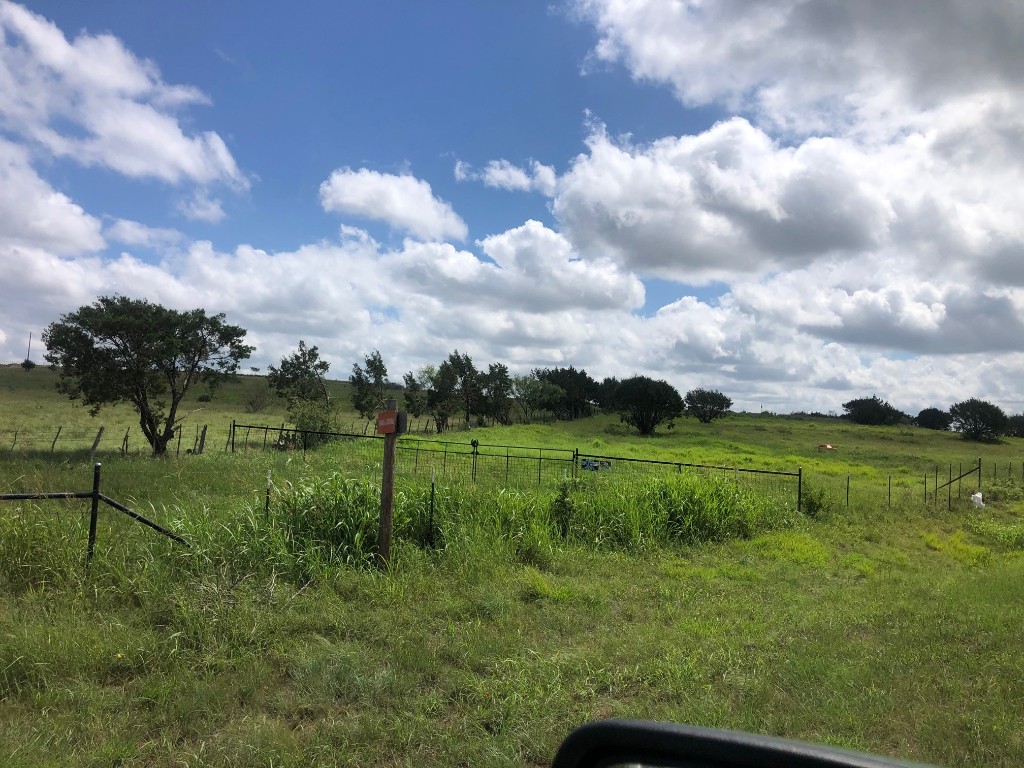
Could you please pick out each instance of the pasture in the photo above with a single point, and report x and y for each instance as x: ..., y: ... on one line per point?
x: 890, y: 627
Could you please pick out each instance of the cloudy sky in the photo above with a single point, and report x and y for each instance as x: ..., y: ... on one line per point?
x: 796, y: 202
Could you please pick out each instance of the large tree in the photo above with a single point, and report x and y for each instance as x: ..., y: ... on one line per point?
x: 978, y: 420
x: 121, y: 350
x: 872, y: 411
x: 579, y: 392
x: 645, y: 403
x: 706, y: 404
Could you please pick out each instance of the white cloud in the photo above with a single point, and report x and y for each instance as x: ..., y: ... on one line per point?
x: 201, y: 207
x: 502, y: 174
x: 93, y: 101
x: 402, y: 201
x: 135, y: 233
x: 33, y: 214
x: 811, y: 66
x: 727, y: 201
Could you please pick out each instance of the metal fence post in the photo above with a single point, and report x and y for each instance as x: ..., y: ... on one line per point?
x: 799, y: 488
x: 94, y: 514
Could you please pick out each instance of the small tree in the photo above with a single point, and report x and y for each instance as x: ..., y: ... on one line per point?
x: 934, y: 418
x: 301, y: 376
x: 121, y: 350
x: 645, y: 403
x: 706, y: 405
x: 978, y: 420
x: 28, y: 364
x: 497, y: 393
x: 300, y: 380
x: 415, y: 395
x: 369, y: 385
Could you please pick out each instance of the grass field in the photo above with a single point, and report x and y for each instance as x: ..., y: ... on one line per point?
x: 891, y: 629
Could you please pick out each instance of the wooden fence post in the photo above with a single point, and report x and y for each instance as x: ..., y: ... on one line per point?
x: 202, y: 440
x: 96, y: 443
x: 54, y: 443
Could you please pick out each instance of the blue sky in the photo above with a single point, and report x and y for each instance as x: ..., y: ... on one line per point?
x: 795, y: 202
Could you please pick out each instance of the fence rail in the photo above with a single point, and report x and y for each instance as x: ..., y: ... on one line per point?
x: 96, y: 496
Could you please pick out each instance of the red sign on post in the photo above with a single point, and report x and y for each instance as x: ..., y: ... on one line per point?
x: 387, y: 422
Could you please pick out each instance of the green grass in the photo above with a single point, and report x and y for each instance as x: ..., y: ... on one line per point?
x: 519, y: 615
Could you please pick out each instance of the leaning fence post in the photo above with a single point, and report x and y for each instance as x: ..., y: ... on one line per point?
x: 94, y: 513
x: 96, y: 442
x: 54, y: 443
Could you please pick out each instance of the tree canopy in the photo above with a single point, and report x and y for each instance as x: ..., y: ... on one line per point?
x: 645, y: 403
x: 121, y: 350
x: 706, y: 405
x: 934, y: 418
x: 369, y: 385
x: 300, y: 375
x: 872, y: 411
x: 978, y: 420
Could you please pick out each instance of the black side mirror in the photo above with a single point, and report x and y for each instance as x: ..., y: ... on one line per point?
x: 632, y: 743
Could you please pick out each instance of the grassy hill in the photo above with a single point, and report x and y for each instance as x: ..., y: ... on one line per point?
x: 892, y: 629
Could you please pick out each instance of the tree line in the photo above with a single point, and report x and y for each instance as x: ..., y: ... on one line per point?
x: 121, y: 350
x: 974, y: 419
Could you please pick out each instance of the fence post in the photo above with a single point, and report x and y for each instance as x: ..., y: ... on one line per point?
x: 476, y: 450
x: 54, y: 443
x: 799, y: 488
x: 387, y: 492
x: 96, y: 442
x: 433, y: 480
x: 266, y: 504
x: 202, y: 440
x: 890, y: 491
x: 232, y: 435
x: 847, y: 489
x: 94, y: 513
x: 979, y: 473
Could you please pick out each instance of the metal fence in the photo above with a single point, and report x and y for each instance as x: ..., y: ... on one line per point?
x: 510, y: 466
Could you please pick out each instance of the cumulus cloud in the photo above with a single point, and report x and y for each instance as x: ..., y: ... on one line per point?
x: 93, y: 101
x: 726, y: 201
x: 502, y: 174
x: 852, y: 138
x: 810, y: 66
x: 202, y: 207
x: 33, y: 214
x: 135, y: 233
x: 401, y: 201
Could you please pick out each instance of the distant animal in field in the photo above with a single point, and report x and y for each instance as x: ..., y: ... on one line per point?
x: 594, y: 465
x: 976, y: 499
x: 826, y: 447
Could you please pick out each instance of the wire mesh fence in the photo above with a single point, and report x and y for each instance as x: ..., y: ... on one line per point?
x: 507, y: 466
x: 97, y: 440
